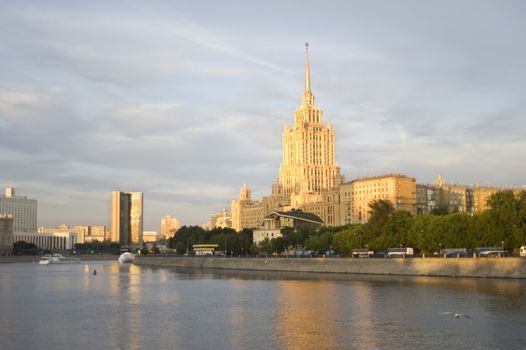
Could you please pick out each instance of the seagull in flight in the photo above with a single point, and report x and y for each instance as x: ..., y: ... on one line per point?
x: 456, y: 315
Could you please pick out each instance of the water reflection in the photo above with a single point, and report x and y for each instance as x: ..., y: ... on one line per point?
x: 129, y: 307
x: 304, y: 308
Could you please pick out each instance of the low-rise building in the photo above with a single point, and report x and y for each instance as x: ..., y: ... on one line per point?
x: 150, y: 236
x: 48, y: 241
x: 85, y: 233
x: 270, y: 227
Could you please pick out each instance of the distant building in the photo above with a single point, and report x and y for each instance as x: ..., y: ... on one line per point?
x: 6, y: 234
x: 127, y: 218
x: 23, y: 210
x: 356, y: 195
x: 271, y: 226
x: 150, y: 236
x: 169, y: 226
x: 85, y: 233
x: 49, y: 241
x: 220, y: 220
x: 453, y: 197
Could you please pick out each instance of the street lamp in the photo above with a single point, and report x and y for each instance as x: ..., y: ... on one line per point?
x: 439, y: 249
x: 187, y: 251
x: 502, y: 245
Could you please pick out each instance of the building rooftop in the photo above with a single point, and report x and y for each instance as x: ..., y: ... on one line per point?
x: 298, y: 215
x: 376, y: 177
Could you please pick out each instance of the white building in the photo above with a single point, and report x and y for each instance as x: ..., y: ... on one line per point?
x: 50, y: 241
x: 23, y: 210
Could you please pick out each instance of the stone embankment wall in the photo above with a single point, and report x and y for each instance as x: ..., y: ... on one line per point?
x: 459, y: 267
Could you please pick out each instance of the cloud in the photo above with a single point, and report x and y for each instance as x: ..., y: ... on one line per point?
x: 186, y: 104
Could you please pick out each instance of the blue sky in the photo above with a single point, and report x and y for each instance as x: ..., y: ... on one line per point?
x: 185, y: 101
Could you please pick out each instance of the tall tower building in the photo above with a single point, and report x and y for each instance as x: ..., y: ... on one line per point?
x: 127, y: 218
x: 309, y: 165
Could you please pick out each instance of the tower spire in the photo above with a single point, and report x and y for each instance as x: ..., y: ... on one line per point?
x: 308, y: 99
x: 307, y: 69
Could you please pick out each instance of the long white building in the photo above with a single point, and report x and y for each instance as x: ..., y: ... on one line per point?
x: 51, y: 241
x: 22, y: 209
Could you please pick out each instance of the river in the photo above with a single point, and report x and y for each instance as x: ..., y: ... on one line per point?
x: 132, y: 307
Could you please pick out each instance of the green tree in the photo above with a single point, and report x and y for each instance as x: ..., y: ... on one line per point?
x: 379, y: 211
x: 180, y: 248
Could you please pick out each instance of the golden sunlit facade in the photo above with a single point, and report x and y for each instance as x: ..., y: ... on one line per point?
x: 309, y: 165
x: 356, y: 195
x: 308, y: 169
x: 127, y: 218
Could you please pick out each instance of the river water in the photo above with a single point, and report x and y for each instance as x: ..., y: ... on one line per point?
x: 131, y: 307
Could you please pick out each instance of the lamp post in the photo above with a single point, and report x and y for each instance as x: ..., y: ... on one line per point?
x: 502, y: 245
x: 187, y: 250
x: 440, y: 249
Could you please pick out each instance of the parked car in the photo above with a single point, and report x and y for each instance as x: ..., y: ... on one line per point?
x: 379, y: 254
x: 522, y: 251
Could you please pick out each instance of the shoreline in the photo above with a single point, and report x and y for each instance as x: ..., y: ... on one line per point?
x: 508, y: 268
x: 36, y: 258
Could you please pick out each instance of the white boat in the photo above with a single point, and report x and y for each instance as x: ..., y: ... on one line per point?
x: 58, y: 259
x: 126, y: 258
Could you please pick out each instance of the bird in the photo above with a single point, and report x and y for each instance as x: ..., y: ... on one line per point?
x: 456, y: 315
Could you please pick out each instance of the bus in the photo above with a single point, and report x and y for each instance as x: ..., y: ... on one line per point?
x: 486, y: 252
x: 400, y: 252
x: 204, y: 249
x: 361, y: 253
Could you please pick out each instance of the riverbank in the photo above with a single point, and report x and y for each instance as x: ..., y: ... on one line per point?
x: 36, y: 258
x: 440, y: 267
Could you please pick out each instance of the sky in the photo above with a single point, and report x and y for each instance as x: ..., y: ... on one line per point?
x: 187, y: 100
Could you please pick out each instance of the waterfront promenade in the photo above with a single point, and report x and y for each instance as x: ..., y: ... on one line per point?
x: 456, y: 267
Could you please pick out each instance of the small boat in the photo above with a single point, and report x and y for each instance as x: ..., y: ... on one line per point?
x: 126, y: 257
x: 58, y: 259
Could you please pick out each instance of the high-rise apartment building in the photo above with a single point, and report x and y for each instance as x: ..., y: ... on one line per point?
x: 127, y: 218
x: 169, y: 226
x: 23, y: 210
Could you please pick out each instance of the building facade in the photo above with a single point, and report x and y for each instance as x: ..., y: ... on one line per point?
x: 308, y: 169
x: 49, y: 241
x: 270, y: 227
x: 85, y: 233
x: 356, y: 195
x: 6, y: 234
x: 169, y: 226
x: 23, y: 210
x: 309, y: 165
x: 127, y: 218
x: 453, y: 198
